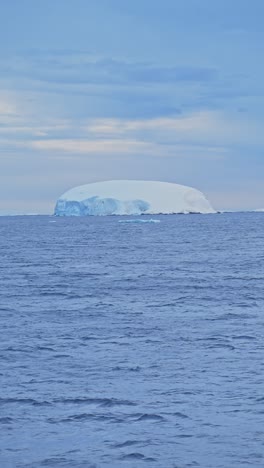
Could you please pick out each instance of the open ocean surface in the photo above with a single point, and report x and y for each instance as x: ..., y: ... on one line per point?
x: 132, y: 345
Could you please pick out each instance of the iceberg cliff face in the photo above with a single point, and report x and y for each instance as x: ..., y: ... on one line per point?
x: 131, y: 197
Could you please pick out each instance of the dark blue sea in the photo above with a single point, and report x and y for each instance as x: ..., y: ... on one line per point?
x: 131, y: 345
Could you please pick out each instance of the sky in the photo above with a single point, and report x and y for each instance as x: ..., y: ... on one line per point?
x: 94, y: 90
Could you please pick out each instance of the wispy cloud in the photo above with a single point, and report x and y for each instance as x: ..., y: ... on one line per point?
x: 9, y: 113
x: 7, y: 107
x: 105, y: 86
x: 205, y: 127
x: 85, y: 68
x: 94, y: 146
x: 210, y: 131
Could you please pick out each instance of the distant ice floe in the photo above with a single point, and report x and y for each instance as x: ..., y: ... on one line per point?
x: 139, y: 220
x: 131, y: 197
x: 14, y: 213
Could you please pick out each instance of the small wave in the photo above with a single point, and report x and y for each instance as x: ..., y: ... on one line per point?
x: 137, y: 456
x: 89, y: 338
x: 55, y: 462
x: 61, y: 462
x: 221, y: 346
x: 134, y: 369
x: 102, y: 402
x: 6, y: 420
x: 81, y: 417
x: 180, y: 415
x: 24, y: 401
x: 44, y: 348
x: 228, y: 316
x: 150, y: 417
x: 61, y: 356
x: 109, y: 403
x: 244, y: 337
x: 127, y: 443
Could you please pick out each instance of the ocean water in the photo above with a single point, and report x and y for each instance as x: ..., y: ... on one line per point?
x: 132, y: 344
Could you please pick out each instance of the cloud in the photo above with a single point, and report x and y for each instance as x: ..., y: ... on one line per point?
x: 7, y: 107
x: 205, y: 127
x: 94, y: 146
x: 209, y: 131
x: 105, y: 86
x: 85, y: 68
x: 20, y: 118
x: 27, y: 129
x: 9, y: 113
x: 188, y: 123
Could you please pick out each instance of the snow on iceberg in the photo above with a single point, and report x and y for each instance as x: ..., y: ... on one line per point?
x: 131, y: 197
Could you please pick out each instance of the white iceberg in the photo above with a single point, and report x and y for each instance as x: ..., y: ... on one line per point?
x: 131, y: 197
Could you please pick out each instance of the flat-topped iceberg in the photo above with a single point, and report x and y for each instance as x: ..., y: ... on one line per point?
x: 131, y: 197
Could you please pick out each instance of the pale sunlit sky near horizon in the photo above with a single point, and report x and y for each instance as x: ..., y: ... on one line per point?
x: 93, y: 90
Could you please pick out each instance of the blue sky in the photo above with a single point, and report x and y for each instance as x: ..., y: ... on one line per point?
x: 167, y: 90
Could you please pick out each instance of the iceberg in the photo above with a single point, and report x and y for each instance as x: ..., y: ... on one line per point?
x: 131, y: 197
